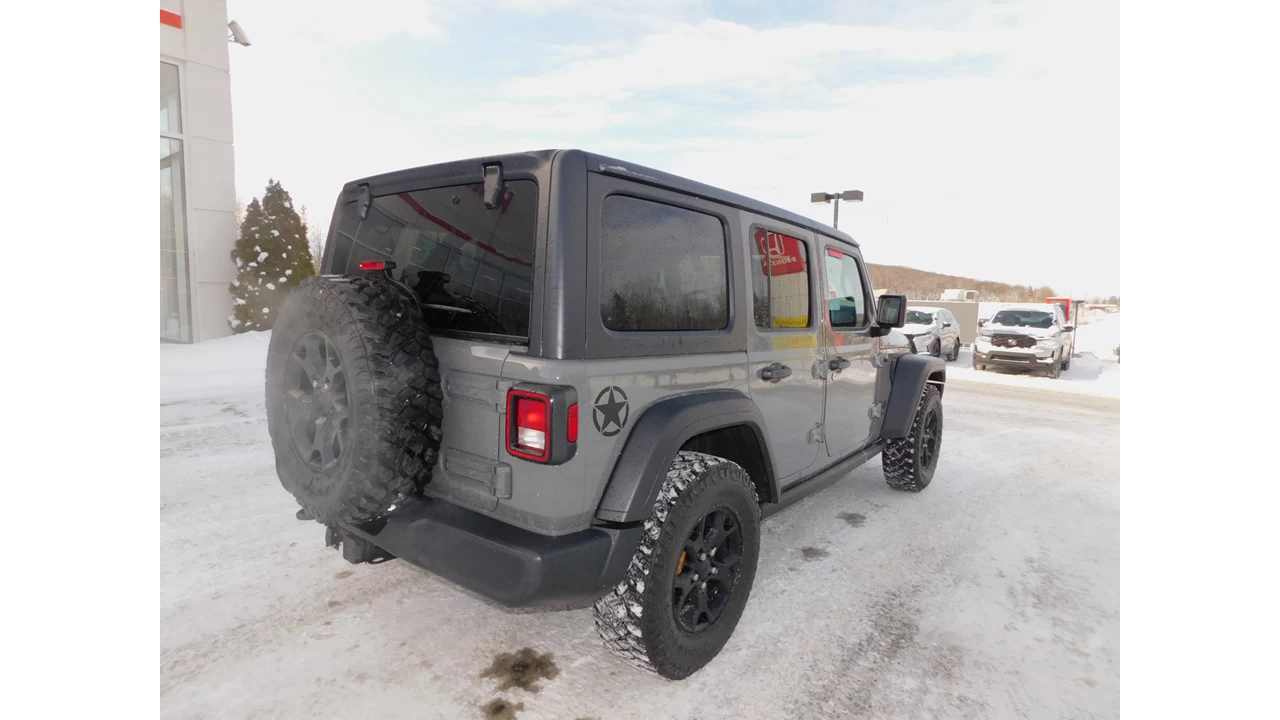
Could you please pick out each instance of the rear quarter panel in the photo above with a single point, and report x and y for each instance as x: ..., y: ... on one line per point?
x: 563, y: 498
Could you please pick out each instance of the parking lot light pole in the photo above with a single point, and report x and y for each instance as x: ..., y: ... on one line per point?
x: 822, y: 197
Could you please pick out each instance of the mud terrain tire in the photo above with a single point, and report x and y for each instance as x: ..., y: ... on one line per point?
x: 354, y: 352
x: 637, y: 619
x: 909, y: 462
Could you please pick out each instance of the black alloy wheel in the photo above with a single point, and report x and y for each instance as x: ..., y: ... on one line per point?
x: 316, y: 401
x: 707, y: 570
x: 930, y: 436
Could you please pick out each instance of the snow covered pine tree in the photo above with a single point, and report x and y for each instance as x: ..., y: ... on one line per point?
x: 271, y: 258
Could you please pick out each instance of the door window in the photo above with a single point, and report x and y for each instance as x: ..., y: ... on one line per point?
x: 846, y: 296
x: 779, y: 280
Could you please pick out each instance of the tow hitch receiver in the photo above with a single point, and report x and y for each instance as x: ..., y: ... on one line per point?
x: 355, y: 550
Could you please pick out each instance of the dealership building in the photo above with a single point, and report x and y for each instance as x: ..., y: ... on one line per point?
x: 197, y: 171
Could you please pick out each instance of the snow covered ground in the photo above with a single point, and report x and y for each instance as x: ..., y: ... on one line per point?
x: 992, y: 594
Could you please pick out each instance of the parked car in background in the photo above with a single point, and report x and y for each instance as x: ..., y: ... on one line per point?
x: 1035, y: 337
x: 933, y: 331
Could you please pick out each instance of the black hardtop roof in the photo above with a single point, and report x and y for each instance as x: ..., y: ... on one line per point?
x: 619, y: 168
x: 610, y: 166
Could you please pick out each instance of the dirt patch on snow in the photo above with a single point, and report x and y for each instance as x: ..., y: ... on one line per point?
x: 499, y: 709
x: 854, y: 519
x: 522, y: 669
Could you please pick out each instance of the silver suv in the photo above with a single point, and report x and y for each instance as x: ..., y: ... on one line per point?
x: 933, y: 330
x: 559, y: 379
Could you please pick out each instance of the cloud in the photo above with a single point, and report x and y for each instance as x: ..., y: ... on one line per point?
x: 716, y: 52
x: 977, y: 168
x: 330, y: 24
x: 985, y: 171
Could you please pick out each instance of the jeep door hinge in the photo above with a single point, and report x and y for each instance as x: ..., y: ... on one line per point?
x: 817, y: 434
x: 876, y: 411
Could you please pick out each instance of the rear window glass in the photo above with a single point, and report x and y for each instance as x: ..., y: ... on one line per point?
x: 473, y: 266
x: 661, y: 267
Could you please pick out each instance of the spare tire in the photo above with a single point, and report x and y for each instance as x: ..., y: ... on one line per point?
x: 354, y: 405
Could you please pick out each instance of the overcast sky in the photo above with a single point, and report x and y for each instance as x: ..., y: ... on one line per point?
x: 984, y: 134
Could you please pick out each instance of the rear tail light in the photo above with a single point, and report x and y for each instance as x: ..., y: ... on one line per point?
x: 529, y: 417
x: 542, y: 423
x: 377, y: 265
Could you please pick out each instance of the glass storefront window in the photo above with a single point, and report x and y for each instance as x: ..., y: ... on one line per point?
x: 175, y: 290
x: 170, y: 104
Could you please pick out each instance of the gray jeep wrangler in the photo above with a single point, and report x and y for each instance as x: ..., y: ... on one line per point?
x: 558, y: 379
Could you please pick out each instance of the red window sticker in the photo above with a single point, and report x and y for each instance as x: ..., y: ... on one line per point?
x: 779, y: 254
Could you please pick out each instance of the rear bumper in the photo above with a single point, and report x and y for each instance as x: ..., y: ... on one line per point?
x: 510, y: 565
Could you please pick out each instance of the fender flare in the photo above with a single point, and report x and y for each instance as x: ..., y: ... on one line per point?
x: 659, y: 434
x: 910, y: 374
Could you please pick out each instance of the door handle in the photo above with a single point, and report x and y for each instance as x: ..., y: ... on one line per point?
x: 838, y: 363
x: 775, y: 372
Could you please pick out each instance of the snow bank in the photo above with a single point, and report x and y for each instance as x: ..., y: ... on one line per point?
x: 1088, y: 375
x: 231, y: 365
x: 1100, y: 337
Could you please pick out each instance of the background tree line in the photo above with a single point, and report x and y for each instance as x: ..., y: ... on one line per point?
x: 925, y: 285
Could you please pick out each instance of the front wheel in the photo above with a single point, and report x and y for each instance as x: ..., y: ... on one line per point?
x: 909, y: 462
x: 1055, y: 370
x: 690, y: 578
x: 936, y: 348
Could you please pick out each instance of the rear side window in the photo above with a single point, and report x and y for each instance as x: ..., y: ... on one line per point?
x: 661, y: 267
x: 473, y: 265
x: 779, y: 280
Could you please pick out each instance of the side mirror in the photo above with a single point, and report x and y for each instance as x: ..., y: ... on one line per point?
x: 891, y: 311
x: 1068, y: 328
x: 982, y: 322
